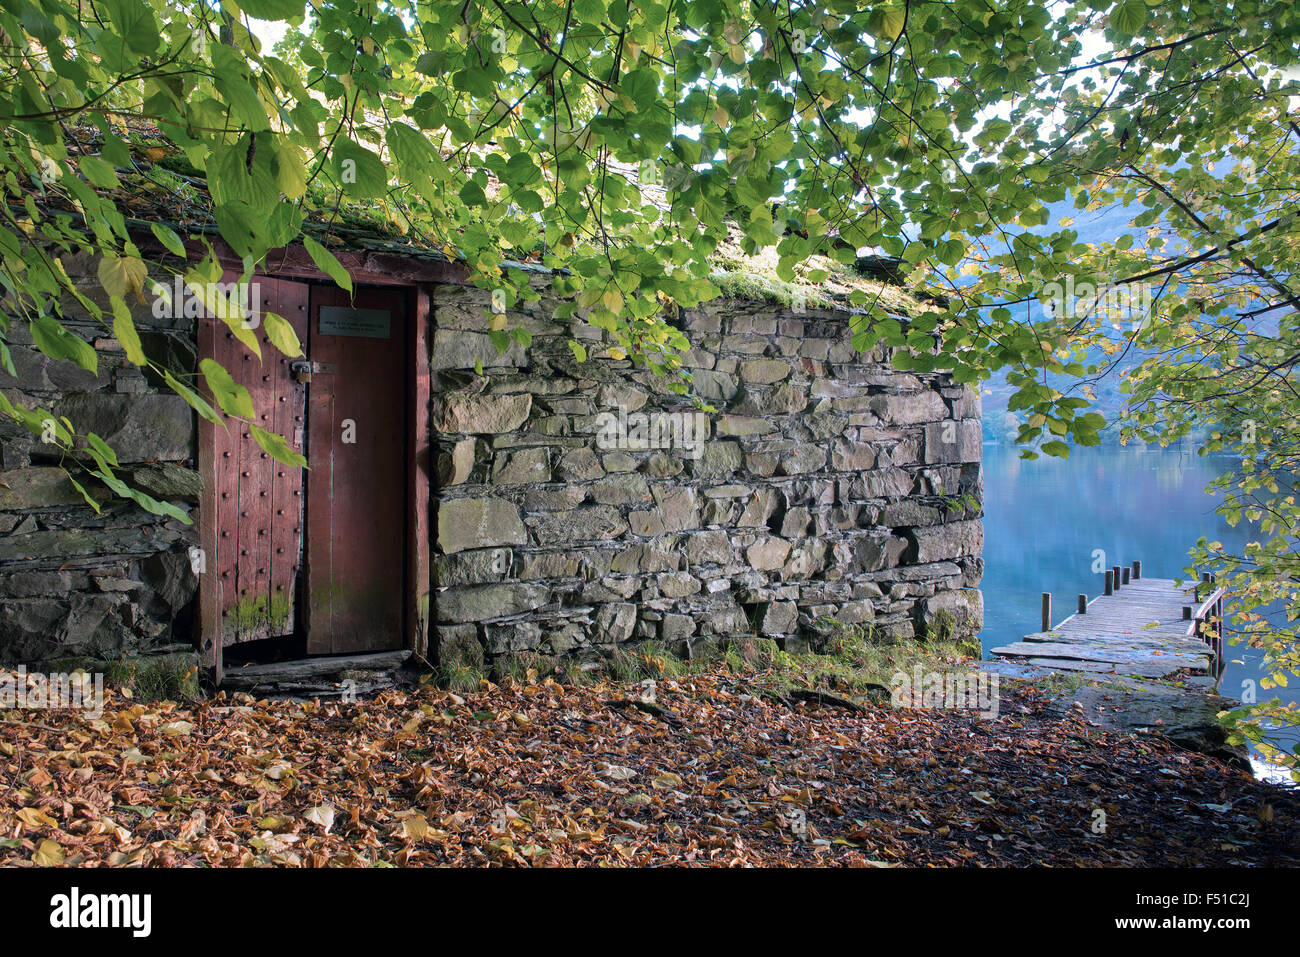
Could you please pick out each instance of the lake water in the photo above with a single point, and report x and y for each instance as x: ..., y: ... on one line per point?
x: 1044, y: 519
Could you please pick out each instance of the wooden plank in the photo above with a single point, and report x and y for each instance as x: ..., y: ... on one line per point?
x: 1098, y: 652
x: 1100, y: 668
x: 420, y: 474
x: 1167, y: 642
x: 255, y: 473
x: 315, y: 667
x: 357, y: 485
x: 288, y: 300
x: 372, y: 267
x: 211, y: 644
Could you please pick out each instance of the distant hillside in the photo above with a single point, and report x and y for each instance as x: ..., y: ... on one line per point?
x: 1104, y: 225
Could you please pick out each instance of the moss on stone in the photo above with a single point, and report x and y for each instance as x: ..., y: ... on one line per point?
x: 741, y: 276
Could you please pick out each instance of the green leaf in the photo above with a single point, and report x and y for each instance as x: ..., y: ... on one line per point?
x: 230, y: 395
x: 886, y: 22
x: 360, y: 170
x: 275, y: 445
x: 273, y: 9
x: 57, y: 343
x: 120, y: 275
x: 102, y: 449
x: 134, y: 22
x: 225, y: 302
x: 281, y: 334
x: 84, y: 494
x: 1129, y: 17
x: 97, y: 172
x: 325, y: 260
x: 192, y: 398
x: 167, y: 236
x: 125, y: 333
x: 471, y: 193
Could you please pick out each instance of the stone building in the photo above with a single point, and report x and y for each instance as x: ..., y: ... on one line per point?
x: 468, y: 504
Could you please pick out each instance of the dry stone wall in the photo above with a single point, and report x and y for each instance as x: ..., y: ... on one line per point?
x: 580, y: 506
x: 75, y: 582
x: 586, y: 505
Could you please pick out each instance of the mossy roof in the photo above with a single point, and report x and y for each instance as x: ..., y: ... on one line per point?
x: 165, y: 188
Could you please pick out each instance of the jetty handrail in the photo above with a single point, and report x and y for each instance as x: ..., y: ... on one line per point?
x: 1207, y: 621
x: 1201, y: 613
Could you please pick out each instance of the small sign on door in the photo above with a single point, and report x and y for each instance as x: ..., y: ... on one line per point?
x: 366, y: 323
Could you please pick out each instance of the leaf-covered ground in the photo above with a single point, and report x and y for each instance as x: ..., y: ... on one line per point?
x: 541, y: 774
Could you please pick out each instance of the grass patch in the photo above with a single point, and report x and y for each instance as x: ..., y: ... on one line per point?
x: 819, y: 282
x: 854, y: 661
x: 649, y: 659
x: 458, y: 677
x: 1063, y: 682
x: 160, y: 678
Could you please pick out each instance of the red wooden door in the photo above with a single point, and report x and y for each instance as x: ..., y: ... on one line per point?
x: 255, y: 538
x: 356, y: 483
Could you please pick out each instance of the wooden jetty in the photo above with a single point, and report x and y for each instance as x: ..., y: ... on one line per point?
x: 1151, y: 652
x: 1142, y: 627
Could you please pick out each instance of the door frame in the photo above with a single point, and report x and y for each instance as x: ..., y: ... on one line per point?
x: 416, y: 277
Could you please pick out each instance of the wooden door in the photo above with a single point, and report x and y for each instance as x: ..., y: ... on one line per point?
x: 254, y: 536
x: 356, y: 483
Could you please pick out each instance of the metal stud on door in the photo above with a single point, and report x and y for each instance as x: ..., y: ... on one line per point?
x: 255, y: 535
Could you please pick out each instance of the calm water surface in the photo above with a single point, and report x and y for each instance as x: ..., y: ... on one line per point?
x: 1044, y: 519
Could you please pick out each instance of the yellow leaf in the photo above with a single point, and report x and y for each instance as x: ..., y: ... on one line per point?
x: 48, y: 854
x: 415, y: 827
x: 122, y: 274
x: 225, y: 301
x: 34, y: 817
x: 290, y: 175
